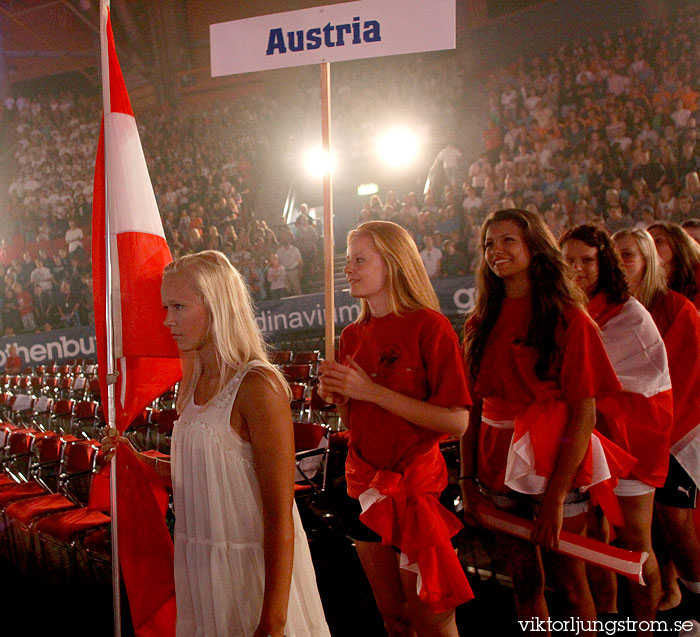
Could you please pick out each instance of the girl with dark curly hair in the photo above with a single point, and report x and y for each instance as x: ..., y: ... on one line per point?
x: 638, y: 419
x: 536, y: 364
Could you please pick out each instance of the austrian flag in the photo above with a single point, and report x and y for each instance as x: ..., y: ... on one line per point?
x: 147, y: 363
x: 146, y: 356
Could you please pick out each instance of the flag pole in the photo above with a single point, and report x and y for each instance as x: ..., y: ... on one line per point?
x: 110, y: 375
x: 328, y: 257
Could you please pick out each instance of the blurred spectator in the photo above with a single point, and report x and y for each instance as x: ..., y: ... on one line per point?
x: 431, y: 257
x: 25, y: 307
x: 13, y: 363
x: 290, y: 259
x: 276, y: 277
x: 454, y: 263
x: 68, y: 305
x: 41, y: 276
x: 306, y: 241
x: 74, y: 238
x: 450, y: 158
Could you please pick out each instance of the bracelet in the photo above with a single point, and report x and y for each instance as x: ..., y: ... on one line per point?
x: 473, y: 479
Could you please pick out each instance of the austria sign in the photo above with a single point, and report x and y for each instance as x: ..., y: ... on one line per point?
x: 347, y: 31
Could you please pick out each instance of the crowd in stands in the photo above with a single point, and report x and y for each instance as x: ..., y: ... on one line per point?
x: 201, y: 187
x: 602, y: 131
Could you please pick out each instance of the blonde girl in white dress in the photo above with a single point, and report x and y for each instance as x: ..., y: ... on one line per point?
x: 242, y: 562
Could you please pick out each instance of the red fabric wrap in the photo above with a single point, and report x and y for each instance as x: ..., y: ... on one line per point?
x: 679, y: 324
x: 636, y: 422
x: 411, y: 518
x: 546, y: 422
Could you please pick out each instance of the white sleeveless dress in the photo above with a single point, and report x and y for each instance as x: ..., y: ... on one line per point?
x: 219, y: 560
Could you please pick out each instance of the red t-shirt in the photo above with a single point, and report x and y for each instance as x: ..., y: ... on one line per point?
x: 507, y: 374
x: 679, y: 324
x: 416, y: 354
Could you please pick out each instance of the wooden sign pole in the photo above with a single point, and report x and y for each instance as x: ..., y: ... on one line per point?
x: 328, y: 257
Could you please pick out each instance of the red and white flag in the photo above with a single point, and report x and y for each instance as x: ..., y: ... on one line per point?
x: 640, y: 417
x: 146, y: 358
x: 146, y: 355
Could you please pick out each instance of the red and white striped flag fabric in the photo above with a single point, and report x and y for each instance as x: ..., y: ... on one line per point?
x: 640, y: 417
x: 146, y: 357
x: 147, y: 360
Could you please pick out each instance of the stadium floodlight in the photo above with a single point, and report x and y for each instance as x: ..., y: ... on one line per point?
x: 398, y: 147
x: 363, y: 190
x: 319, y: 163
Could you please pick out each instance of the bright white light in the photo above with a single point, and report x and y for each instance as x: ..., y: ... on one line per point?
x: 363, y: 190
x: 398, y: 147
x: 318, y: 163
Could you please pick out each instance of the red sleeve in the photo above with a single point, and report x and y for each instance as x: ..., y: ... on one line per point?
x: 444, y: 364
x: 586, y: 370
x: 682, y: 340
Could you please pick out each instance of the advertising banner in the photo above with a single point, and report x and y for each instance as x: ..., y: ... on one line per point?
x: 275, y: 318
x: 58, y: 346
x: 303, y: 313
x: 347, y: 31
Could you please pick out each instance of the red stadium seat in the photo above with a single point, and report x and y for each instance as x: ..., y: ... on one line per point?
x: 280, y: 357
x: 61, y: 415
x: 76, y: 470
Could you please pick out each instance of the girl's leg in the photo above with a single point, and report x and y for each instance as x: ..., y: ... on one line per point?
x: 670, y: 590
x: 381, y: 565
x: 569, y: 578
x: 679, y: 529
x: 425, y: 622
x: 635, y: 535
x: 525, y: 569
x: 603, y: 583
x: 682, y: 540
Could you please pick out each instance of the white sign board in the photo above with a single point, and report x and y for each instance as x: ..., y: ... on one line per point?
x: 348, y: 31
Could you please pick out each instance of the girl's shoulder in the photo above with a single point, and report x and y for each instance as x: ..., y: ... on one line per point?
x: 259, y: 382
x: 427, y: 316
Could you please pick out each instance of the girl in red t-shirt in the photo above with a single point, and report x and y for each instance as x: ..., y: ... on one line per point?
x: 679, y: 325
x: 639, y: 418
x: 536, y: 365
x: 399, y: 384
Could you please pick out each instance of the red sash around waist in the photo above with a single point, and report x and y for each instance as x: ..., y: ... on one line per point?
x: 538, y: 429
x: 404, y: 509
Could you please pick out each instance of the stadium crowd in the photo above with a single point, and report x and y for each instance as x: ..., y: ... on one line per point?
x: 603, y: 131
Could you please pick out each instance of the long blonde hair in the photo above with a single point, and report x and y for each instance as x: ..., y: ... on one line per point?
x: 653, y: 283
x: 235, y: 335
x: 408, y: 283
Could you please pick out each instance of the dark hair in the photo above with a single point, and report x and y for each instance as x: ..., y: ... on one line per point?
x: 686, y: 258
x: 611, y: 277
x: 553, y: 289
x: 691, y: 223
